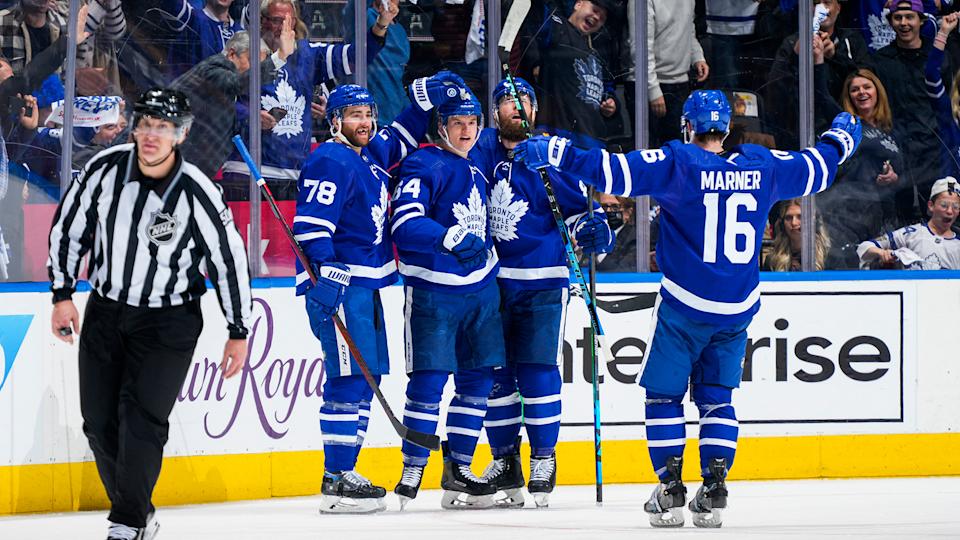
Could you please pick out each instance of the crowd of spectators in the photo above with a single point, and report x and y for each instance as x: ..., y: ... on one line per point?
x: 891, y: 62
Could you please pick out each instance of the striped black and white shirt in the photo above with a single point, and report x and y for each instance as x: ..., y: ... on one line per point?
x: 152, y: 240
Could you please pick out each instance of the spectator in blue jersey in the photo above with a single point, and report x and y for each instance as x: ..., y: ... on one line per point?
x: 285, y: 103
x: 534, y: 280
x: 900, y: 66
x: 946, y: 103
x: 930, y: 245
x: 198, y: 33
x: 714, y: 208
x: 452, y: 310
x: 385, y: 72
x: 341, y: 224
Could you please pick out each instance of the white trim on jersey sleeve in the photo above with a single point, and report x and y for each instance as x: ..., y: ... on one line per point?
x: 550, y: 272
x: 627, y: 177
x: 329, y: 225
x: 447, y: 278
x: 372, y: 272
x: 710, y: 306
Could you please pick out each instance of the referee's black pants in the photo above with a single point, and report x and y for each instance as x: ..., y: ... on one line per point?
x: 133, y: 362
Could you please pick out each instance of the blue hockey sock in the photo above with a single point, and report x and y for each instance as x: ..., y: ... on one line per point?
x: 540, y: 386
x: 466, y: 412
x: 422, y: 413
x: 339, y: 418
x: 503, y: 412
x: 666, y: 431
x: 719, y: 428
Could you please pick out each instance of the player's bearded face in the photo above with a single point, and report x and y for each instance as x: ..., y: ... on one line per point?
x: 509, y: 121
x: 357, y: 125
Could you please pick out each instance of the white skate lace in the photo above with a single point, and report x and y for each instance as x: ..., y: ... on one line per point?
x: 411, y: 476
x: 541, y: 469
x: 468, y: 474
x: 121, y: 532
x: 356, y: 478
x: 494, y: 468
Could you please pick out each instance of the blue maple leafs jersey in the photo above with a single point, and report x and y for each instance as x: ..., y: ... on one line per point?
x: 342, y: 205
x: 713, y: 212
x: 531, y: 250
x: 286, y: 146
x: 200, y: 35
x: 437, y: 190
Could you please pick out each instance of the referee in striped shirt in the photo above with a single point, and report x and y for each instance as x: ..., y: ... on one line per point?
x: 153, y: 224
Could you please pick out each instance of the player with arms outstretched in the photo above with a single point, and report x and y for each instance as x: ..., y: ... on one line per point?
x: 713, y: 209
x: 534, y: 283
x: 340, y: 224
x: 452, y: 310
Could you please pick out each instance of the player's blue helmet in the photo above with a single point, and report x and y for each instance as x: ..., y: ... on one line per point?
x: 707, y: 111
x: 523, y: 88
x: 466, y: 105
x: 349, y: 95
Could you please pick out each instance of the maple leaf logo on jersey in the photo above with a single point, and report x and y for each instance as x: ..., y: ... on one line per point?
x: 591, y: 80
x: 288, y: 100
x: 473, y: 215
x: 880, y: 32
x: 505, y: 212
x: 378, y: 213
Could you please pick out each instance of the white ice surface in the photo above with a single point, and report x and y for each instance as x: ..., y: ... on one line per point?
x: 874, y: 508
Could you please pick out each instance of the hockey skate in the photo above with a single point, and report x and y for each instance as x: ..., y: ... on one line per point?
x: 116, y: 531
x: 711, y: 499
x: 409, y: 484
x: 505, y: 474
x: 463, y: 490
x: 350, y: 493
x: 543, y: 478
x: 666, y: 503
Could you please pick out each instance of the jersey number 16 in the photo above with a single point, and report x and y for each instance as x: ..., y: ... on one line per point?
x: 731, y: 230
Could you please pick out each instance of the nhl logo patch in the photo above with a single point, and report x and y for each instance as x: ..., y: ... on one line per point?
x: 162, y: 228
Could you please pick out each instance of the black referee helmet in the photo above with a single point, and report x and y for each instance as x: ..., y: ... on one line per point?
x: 165, y: 104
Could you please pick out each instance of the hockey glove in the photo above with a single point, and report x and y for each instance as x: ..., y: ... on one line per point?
x: 846, y: 132
x: 467, y: 247
x: 324, y: 298
x: 593, y: 234
x: 541, y: 152
x: 430, y: 92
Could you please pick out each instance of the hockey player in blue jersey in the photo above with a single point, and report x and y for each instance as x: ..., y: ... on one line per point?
x: 341, y: 225
x: 286, y: 138
x: 452, y: 309
x: 534, y: 282
x: 714, y: 207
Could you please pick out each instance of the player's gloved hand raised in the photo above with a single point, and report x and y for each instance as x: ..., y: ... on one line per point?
x: 324, y: 298
x: 467, y: 247
x: 846, y: 131
x: 430, y: 92
x: 541, y: 152
x: 593, y: 234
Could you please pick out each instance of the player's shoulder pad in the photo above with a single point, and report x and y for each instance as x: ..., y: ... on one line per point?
x: 423, y: 160
x: 333, y: 157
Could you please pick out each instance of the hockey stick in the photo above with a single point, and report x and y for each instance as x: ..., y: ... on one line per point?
x: 595, y: 376
x: 425, y: 440
x: 511, y: 27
